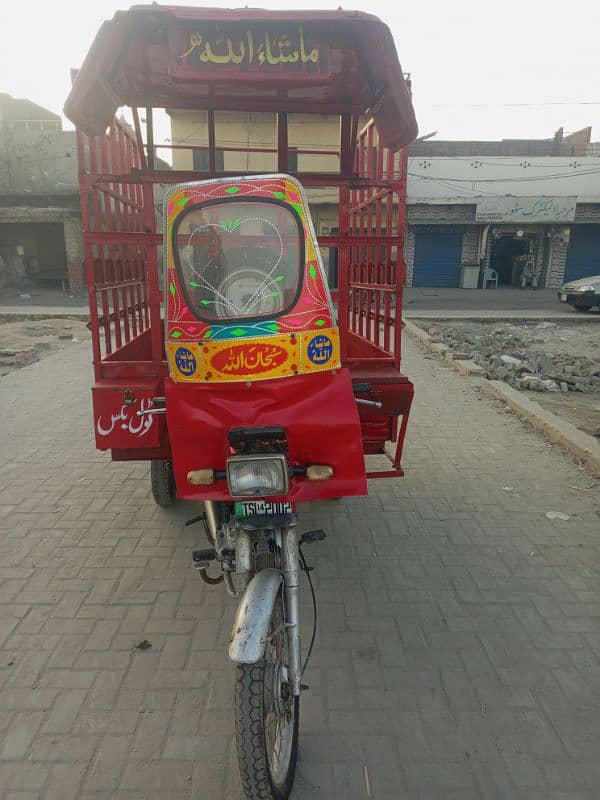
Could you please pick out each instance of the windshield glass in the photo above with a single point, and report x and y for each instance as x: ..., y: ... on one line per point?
x: 239, y: 260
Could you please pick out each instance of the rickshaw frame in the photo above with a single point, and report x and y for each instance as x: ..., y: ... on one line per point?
x: 119, y: 173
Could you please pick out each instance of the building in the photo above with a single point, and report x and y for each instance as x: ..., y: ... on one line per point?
x: 40, y: 228
x: 472, y: 206
x: 499, y: 205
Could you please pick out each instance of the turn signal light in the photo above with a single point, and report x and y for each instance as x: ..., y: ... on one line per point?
x: 319, y: 472
x: 201, y: 477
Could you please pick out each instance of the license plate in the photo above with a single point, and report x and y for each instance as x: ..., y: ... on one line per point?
x: 563, y: 298
x: 250, y: 508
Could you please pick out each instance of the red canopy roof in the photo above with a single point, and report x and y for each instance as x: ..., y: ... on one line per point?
x: 136, y: 59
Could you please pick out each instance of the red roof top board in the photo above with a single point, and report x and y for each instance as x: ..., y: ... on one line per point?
x: 244, y: 59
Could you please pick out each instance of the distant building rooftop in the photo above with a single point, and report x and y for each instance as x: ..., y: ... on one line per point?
x: 573, y: 144
x: 14, y: 109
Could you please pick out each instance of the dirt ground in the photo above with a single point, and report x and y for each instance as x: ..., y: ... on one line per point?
x: 561, y: 351
x: 581, y: 410
x: 27, y: 341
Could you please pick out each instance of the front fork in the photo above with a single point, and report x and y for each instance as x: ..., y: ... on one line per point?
x: 290, y: 562
x: 290, y: 570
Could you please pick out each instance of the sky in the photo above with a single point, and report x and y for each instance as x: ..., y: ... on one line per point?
x: 480, y: 70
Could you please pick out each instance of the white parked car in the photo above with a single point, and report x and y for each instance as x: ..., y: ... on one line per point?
x: 582, y: 294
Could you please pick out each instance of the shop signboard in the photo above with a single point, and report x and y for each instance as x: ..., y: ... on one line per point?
x: 526, y: 209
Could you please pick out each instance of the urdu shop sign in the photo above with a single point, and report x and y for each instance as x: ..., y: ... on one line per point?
x: 236, y: 51
x: 526, y: 209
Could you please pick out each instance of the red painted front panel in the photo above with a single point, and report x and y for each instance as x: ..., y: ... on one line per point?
x: 116, y: 422
x: 318, y: 412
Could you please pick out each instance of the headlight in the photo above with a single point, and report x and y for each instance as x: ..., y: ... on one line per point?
x: 587, y: 288
x: 257, y: 475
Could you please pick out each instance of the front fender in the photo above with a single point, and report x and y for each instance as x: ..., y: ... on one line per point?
x: 251, y: 626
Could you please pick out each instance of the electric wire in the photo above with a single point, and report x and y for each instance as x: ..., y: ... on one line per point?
x: 306, y: 569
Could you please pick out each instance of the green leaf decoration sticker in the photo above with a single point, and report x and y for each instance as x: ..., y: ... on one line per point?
x: 229, y: 224
x: 194, y: 284
x: 207, y: 333
x: 172, y: 289
x: 175, y: 334
x: 272, y: 326
x: 206, y: 302
x: 184, y: 201
x: 274, y: 294
x: 279, y: 195
x: 233, y: 190
x: 312, y: 271
x: 319, y: 323
x: 278, y: 279
x: 238, y: 332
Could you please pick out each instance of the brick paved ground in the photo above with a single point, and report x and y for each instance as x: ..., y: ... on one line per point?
x: 459, y: 647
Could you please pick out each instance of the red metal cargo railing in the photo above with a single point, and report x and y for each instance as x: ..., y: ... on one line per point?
x: 121, y: 265
x: 375, y: 268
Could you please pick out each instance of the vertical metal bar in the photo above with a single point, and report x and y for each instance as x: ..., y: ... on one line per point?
x: 212, y: 521
x: 402, y: 433
x: 93, y: 152
x: 138, y: 136
x: 386, y: 325
x: 291, y: 568
x: 150, y: 136
x: 346, y: 145
x: 125, y: 308
x: 84, y: 194
x: 117, y: 313
x: 156, y: 329
x: 106, y: 319
x: 90, y: 268
x: 282, y: 142
x: 344, y: 269
x: 243, y: 558
x: 212, y: 154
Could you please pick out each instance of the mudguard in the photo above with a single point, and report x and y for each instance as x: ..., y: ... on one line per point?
x: 251, y: 626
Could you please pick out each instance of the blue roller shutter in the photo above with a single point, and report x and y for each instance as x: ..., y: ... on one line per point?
x: 583, y: 255
x: 437, y: 257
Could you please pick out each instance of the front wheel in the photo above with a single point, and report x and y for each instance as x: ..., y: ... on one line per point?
x: 579, y: 307
x: 266, y: 719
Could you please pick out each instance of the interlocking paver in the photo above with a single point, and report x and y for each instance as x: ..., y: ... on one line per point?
x: 458, y: 654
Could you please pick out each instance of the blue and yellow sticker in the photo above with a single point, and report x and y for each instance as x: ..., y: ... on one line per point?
x: 254, y: 359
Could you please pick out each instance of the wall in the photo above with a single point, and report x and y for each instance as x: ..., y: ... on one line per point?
x: 38, y: 161
x: 557, y: 262
x: 460, y: 180
x: 240, y: 129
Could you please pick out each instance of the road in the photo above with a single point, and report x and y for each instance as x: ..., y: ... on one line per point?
x: 499, y: 303
x: 459, y: 645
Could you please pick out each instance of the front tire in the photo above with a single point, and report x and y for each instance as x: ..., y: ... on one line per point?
x: 582, y: 308
x: 164, y: 490
x: 266, y: 719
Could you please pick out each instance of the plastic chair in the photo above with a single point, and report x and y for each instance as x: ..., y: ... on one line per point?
x: 490, y: 279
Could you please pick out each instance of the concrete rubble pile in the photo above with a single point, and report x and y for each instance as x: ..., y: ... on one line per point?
x: 505, y: 354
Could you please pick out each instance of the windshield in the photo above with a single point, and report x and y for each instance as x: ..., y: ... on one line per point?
x: 239, y: 260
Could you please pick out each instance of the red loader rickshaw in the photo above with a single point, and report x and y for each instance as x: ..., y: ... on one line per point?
x: 236, y: 374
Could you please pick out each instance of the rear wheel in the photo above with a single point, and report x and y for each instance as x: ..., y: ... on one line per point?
x: 266, y: 719
x: 163, y: 483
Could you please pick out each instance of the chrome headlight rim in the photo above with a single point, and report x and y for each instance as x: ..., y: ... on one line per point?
x: 242, y: 460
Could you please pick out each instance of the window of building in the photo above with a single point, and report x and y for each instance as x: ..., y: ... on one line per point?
x: 202, y: 163
x: 293, y: 159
